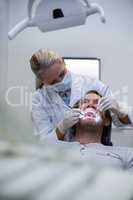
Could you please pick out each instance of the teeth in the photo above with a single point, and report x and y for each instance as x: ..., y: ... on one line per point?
x: 89, y: 117
x: 90, y: 110
x: 89, y: 113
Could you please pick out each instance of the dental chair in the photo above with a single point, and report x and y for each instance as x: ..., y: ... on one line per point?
x: 106, y: 136
x: 37, y: 173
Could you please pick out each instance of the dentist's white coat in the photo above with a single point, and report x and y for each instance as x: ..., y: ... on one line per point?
x: 48, y: 108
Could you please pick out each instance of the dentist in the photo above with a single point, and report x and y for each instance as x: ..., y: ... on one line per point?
x: 59, y: 90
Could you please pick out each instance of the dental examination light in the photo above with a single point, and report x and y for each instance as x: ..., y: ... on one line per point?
x: 51, y: 15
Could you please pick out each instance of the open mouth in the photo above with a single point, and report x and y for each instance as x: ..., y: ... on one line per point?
x: 90, y: 114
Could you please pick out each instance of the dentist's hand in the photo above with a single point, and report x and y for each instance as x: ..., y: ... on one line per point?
x: 109, y: 103
x: 70, y: 119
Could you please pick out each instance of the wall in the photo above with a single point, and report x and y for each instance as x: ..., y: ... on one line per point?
x: 111, y: 42
x: 3, y: 62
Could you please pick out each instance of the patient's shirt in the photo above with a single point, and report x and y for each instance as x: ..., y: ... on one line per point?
x: 104, y: 156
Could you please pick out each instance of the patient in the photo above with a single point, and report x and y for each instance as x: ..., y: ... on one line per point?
x: 88, y: 135
x: 93, y: 127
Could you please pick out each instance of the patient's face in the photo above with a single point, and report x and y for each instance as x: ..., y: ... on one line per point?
x: 89, y: 101
x: 88, y: 106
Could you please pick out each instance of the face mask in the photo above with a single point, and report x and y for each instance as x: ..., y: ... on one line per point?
x: 64, y: 85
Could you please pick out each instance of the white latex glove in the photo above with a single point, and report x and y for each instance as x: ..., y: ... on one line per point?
x: 109, y: 103
x: 70, y: 119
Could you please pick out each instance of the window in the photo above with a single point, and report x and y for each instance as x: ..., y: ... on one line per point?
x: 84, y: 66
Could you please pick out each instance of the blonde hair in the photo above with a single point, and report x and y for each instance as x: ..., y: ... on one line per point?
x: 42, y: 60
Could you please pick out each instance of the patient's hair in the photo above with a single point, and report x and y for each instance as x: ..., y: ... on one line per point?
x: 106, y: 134
x: 42, y: 60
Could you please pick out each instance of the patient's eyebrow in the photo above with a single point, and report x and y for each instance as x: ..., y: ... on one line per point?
x: 88, y: 99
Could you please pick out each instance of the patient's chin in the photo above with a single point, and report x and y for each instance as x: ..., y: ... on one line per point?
x: 88, y: 121
x: 91, y: 121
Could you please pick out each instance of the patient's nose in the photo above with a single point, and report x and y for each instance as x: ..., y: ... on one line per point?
x: 92, y: 104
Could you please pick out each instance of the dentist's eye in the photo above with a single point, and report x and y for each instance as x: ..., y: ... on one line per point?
x: 53, y: 82
x: 62, y: 74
